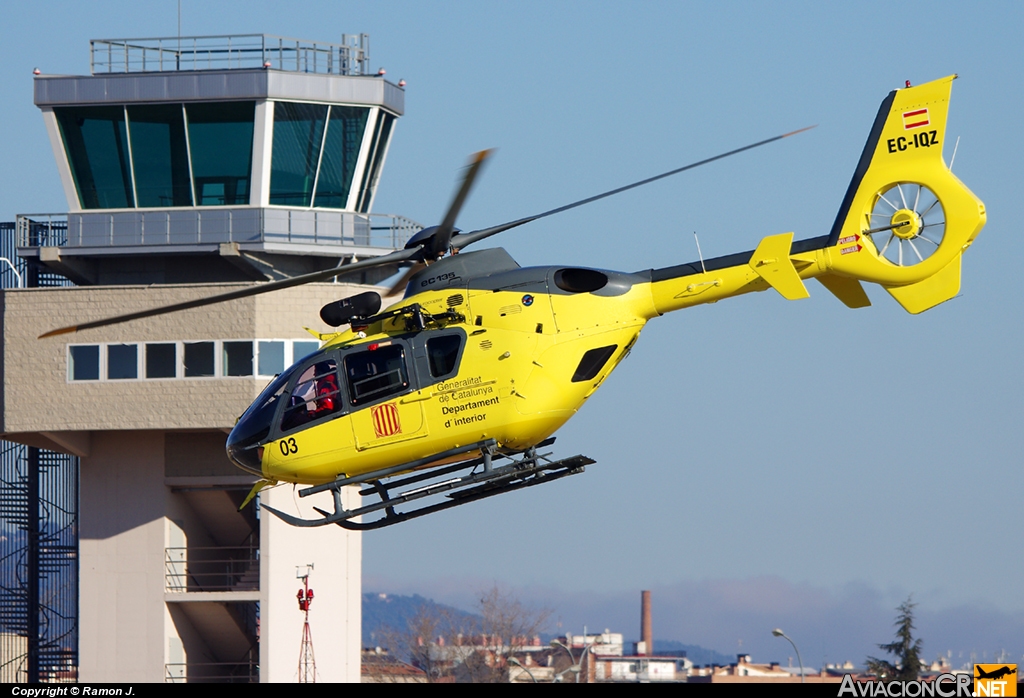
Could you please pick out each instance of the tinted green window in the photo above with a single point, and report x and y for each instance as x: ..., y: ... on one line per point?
x: 220, y: 139
x: 341, y: 149
x: 380, y: 144
x: 84, y: 363
x: 122, y: 361
x: 161, y: 360
x: 160, y: 156
x: 96, y: 142
x: 298, y: 134
x: 198, y: 359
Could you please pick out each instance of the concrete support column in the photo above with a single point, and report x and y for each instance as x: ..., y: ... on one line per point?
x: 335, y: 615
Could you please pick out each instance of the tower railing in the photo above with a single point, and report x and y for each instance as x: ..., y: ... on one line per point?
x: 213, y: 226
x: 230, y: 52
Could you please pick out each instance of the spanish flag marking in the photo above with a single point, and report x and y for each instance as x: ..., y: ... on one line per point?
x: 915, y: 119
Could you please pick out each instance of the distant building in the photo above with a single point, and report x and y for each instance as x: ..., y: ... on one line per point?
x: 638, y: 669
x: 378, y: 666
x: 604, y: 661
x: 605, y: 644
x: 745, y: 671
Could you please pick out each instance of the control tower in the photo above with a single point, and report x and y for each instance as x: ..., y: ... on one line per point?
x: 191, y: 166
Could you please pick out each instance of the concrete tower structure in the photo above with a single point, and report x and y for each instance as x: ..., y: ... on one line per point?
x: 192, y: 166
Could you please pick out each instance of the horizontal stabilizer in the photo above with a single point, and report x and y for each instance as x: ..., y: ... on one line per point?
x: 919, y: 297
x: 848, y: 290
x: 772, y: 263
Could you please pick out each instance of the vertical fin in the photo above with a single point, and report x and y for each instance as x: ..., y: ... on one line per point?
x: 772, y: 263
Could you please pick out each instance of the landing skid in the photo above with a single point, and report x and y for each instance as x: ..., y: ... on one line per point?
x: 458, y: 483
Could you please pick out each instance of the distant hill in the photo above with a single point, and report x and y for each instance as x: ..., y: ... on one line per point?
x: 388, y: 615
x: 386, y: 622
x: 700, y: 656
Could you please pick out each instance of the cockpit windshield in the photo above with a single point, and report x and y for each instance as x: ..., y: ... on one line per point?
x: 253, y: 426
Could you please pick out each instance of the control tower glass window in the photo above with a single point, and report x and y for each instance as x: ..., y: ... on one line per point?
x: 159, y: 155
x: 344, y: 135
x: 378, y: 147
x: 298, y: 136
x: 220, y: 141
x: 315, y: 152
x: 96, y: 140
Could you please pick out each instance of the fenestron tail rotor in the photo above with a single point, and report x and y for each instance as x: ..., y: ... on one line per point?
x: 907, y: 223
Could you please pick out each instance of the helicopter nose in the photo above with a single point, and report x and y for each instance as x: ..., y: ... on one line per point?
x: 245, y: 442
x: 246, y: 453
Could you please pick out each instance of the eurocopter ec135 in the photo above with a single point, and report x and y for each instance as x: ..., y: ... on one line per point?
x: 446, y: 396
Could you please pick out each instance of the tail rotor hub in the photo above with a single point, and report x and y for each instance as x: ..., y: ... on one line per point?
x: 906, y: 224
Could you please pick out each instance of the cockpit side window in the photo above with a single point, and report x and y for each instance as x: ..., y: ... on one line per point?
x: 316, y: 394
x: 443, y: 354
x: 376, y: 374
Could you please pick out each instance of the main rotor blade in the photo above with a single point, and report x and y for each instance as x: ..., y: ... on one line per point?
x: 443, y: 236
x: 399, y: 286
x: 465, y: 239
x: 393, y: 258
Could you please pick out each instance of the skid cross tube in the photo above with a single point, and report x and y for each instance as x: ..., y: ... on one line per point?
x: 560, y: 469
x: 527, y: 468
x: 432, y: 473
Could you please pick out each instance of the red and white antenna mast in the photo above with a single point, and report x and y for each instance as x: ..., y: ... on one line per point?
x: 307, y: 661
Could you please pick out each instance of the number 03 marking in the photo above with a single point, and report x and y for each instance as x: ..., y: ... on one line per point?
x: 288, y: 446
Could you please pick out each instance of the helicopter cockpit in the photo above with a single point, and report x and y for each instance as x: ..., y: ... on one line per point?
x: 334, y: 382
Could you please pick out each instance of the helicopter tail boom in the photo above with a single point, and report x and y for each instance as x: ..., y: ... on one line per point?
x: 904, y: 224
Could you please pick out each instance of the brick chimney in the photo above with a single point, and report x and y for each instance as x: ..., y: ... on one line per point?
x: 646, y: 634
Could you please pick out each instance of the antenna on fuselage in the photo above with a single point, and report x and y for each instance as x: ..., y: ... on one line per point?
x: 699, y: 254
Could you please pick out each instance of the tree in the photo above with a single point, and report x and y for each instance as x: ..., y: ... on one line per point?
x: 905, y: 649
x: 506, y: 627
x: 451, y: 646
x: 424, y: 640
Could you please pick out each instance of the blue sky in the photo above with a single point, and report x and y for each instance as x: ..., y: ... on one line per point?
x: 795, y: 450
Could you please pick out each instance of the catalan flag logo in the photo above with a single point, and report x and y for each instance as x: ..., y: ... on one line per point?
x: 915, y: 119
x: 385, y: 420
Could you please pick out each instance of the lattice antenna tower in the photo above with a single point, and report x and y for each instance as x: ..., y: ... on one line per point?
x: 307, y: 660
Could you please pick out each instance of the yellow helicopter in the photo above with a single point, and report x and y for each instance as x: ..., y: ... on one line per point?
x: 447, y: 395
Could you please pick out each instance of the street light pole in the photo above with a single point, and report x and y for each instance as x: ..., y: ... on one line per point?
x: 516, y: 662
x: 778, y: 633
x: 573, y: 666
